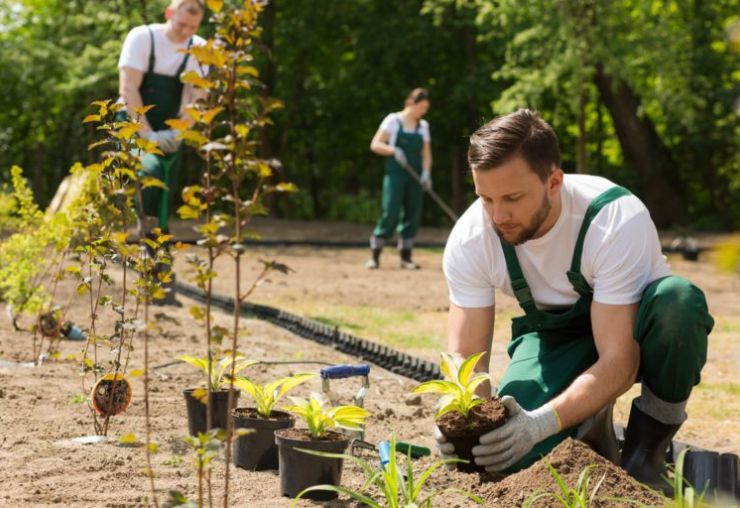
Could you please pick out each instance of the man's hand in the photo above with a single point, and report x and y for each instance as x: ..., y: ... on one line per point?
x: 426, y: 180
x: 400, y: 156
x: 504, y: 446
x: 165, y: 139
x: 446, y: 450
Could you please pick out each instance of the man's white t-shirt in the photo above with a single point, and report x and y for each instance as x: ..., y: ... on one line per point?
x: 137, y: 48
x: 621, y: 252
x: 390, y: 125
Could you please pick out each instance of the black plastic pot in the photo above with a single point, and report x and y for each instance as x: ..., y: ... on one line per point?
x: 197, y: 410
x: 300, y: 470
x: 464, y: 450
x: 257, y: 450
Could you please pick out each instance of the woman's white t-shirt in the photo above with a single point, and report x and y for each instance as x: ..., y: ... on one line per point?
x: 621, y: 252
x: 390, y: 125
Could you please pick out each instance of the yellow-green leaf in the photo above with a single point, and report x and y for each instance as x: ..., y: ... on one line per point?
x: 179, y: 124
x: 128, y: 439
x: 196, y: 79
x: 91, y: 118
x: 215, y: 5
x: 153, y: 448
x: 136, y: 373
x: 151, y: 181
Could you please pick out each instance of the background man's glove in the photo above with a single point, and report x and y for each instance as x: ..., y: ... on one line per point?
x: 446, y: 450
x: 504, y: 446
x: 400, y: 156
x: 166, y: 139
x: 426, y: 180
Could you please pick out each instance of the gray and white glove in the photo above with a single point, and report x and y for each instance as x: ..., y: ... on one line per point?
x: 400, y: 156
x: 444, y: 449
x: 426, y: 180
x: 503, y: 447
x: 166, y: 139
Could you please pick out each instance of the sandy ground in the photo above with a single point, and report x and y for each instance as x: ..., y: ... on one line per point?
x: 39, y: 410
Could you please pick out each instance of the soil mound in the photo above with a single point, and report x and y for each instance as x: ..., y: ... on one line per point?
x: 569, y: 458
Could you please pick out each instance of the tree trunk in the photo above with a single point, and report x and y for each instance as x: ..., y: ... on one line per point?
x: 643, y: 150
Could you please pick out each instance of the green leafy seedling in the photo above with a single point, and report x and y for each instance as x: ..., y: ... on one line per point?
x: 217, y: 371
x: 321, y: 417
x: 458, y: 387
x: 397, y: 485
x: 582, y: 496
x: 267, y: 395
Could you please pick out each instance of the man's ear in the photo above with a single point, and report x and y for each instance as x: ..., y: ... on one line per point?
x: 168, y: 13
x: 555, y: 182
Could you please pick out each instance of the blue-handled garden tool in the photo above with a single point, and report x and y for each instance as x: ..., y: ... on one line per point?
x: 342, y: 371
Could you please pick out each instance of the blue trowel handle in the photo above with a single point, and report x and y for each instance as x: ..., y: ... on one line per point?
x: 342, y: 370
x: 384, y: 451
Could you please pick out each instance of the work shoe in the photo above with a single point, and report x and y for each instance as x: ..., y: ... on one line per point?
x: 374, y: 262
x: 406, y: 262
x: 601, y: 436
x: 646, y: 444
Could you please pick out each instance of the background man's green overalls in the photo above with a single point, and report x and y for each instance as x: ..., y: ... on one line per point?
x: 550, y: 349
x: 402, y: 196
x: 165, y: 93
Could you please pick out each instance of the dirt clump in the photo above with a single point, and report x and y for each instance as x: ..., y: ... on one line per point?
x: 569, y: 458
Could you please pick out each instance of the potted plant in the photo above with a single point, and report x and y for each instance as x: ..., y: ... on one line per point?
x: 394, y: 486
x: 257, y: 450
x: 462, y: 416
x: 197, y: 399
x: 299, y: 470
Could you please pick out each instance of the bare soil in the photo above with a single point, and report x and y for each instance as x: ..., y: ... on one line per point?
x: 41, y: 409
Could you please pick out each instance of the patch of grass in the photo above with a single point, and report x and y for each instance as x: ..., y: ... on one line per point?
x: 729, y: 388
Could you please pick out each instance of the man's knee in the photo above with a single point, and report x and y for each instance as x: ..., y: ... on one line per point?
x: 676, y: 308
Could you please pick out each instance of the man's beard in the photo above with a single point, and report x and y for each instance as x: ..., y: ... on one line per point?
x: 534, y: 225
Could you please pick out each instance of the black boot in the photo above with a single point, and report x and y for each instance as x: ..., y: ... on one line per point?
x: 406, y: 261
x: 646, y: 443
x: 374, y: 262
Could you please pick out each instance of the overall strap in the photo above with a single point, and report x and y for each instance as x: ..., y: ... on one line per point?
x: 518, y: 283
x: 181, y: 69
x: 151, y: 51
x: 574, y: 274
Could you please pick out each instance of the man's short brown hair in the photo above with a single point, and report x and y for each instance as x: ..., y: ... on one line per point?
x: 523, y: 133
x: 192, y: 6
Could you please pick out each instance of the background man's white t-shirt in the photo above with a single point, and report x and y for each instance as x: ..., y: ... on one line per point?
x: 137, y: 48
x: 621, y: 252
x: 390, y: 125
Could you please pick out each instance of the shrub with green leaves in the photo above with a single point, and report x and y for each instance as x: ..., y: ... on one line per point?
x: 397, y: 485
x: 458, y: 387
x: 321, y: 417
x: 267, y: 395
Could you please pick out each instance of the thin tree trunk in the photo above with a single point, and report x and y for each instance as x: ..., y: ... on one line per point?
x: 644, y: 150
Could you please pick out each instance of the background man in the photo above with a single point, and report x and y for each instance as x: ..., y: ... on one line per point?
x: 150, y: 66
x: 583, y: 259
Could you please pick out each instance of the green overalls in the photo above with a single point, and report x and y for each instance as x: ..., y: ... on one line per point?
x: 165, y: 93
x: 402, y: 195
x: 549, y: 349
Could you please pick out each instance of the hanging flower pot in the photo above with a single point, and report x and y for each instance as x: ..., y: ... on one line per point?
x: 111, y: 396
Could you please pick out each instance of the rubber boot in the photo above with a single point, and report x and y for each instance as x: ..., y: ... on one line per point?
x: 406, y: 261
x: 374, y: 262
x: 601, y: 436
x: 646, y: 443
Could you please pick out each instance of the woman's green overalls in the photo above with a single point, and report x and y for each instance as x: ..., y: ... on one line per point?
x: 549, y: 349
x: 165, y: 93
x: 402, y: 195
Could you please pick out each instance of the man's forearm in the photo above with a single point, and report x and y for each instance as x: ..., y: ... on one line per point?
x: 602, y: 383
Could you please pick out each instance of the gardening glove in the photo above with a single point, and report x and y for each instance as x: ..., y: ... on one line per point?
x: 400, y: 156
x: 503, y: 447
x: 444, y: 449
x: 426, y: 180
x: 166, y: 139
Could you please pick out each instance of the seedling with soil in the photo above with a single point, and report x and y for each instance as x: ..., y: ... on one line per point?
x: 462, y: 416
x: 299, y: 470
x: 257, y: 450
